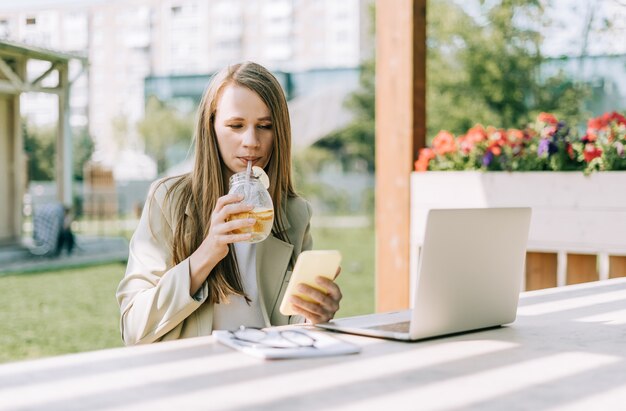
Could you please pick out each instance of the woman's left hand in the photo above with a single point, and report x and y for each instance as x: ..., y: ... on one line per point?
x: 324, y: 304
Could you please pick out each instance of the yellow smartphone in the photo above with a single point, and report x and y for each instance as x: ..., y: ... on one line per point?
x: 309, y: 265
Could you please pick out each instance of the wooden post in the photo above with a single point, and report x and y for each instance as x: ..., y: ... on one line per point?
x: 64, y: 171
x: 400, y: 133
x: 19, y: 177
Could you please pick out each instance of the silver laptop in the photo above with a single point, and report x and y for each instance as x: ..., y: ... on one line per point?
x: 469, y: 277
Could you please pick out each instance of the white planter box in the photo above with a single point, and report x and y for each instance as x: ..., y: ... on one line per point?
x: 571, y: 212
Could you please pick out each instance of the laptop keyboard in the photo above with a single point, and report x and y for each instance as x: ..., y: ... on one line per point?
x: 402, y: 327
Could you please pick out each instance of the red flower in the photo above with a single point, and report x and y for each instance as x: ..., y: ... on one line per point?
x: 606, y: 118
x: 604, y: 125
x: 547, y: 118
x: 497, y: 139
x: 426, y: 154
x: 596, y: 123
x: 618, y: 118
x: 474, y: 136
x: 591, y: 136
x: 515, y: 136
x: 444, y: 143
x: 603, y: 121
x: 591, y: 152
x: 495, y: 149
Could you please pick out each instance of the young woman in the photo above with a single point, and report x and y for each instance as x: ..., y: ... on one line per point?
x: 188, y: 273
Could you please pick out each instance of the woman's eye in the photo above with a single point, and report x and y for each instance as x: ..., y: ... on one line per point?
x: 265, y: 126
x: 234, y: 126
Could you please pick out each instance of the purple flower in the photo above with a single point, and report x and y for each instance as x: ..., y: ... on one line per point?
x: 552, y: 148
x: 487, y: 158
x: 561, y: 130
x: 544, y: 146
x: 620, y: 148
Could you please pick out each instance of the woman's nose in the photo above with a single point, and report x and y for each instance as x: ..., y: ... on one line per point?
x: 250, y: 138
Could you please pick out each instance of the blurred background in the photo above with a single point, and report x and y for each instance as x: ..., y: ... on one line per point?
x: 136, y: 72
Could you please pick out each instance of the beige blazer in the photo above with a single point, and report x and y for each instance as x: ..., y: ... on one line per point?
x: 154, y: 295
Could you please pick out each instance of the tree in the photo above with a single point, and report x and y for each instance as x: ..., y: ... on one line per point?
x: 40, y: 149
x: 488, y: 70
x: 82, y: 150
x: 164, y: 127
x: 480, y: 69
x: 354, y: 144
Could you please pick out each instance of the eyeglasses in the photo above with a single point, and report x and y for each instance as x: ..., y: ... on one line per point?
x: 273, y: 338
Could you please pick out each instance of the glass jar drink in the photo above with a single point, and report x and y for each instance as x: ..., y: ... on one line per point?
x: 254, y: 193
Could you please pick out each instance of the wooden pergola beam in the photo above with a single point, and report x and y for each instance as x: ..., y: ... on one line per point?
x: 14, y: 59
x: 10, y: 74
x: 400, y: 133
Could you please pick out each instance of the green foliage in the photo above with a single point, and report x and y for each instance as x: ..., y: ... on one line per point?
x: 82, y: 150
x: 306, y: 166
x: 488, y: 72
x: 163, y: 127
x: 353, y: 145
x: 40, y: 149
x: 563, y: 97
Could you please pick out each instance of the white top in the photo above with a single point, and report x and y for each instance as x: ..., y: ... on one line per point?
x: 230, y: 315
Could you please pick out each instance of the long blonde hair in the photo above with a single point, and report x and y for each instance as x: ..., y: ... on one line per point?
x: 199, y: 190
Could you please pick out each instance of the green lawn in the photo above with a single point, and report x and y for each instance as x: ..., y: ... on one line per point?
x: 57, y: 312
x: 357, y: 267
x: 68, y: 311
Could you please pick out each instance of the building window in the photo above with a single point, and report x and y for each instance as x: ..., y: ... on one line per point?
x: 31, y: 21
x: 4, y: 28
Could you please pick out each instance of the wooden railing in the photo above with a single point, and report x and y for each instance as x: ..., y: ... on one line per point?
x: 99, y: 192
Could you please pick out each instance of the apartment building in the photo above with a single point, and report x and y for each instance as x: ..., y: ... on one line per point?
x: 128, y: 40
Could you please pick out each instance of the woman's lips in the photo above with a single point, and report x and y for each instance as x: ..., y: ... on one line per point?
x: 245, y: 160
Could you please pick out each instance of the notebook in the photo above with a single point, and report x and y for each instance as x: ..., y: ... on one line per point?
x: 469, y: 277
x: 323, y: 345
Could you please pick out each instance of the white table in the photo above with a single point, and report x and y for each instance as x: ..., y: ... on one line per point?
x: 566, y: 350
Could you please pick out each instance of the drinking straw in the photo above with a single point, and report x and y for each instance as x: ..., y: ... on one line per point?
x: 247, y: 186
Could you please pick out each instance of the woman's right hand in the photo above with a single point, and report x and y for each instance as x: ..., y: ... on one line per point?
x: 215, y: 245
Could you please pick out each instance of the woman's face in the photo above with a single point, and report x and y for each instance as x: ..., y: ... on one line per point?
x: 244, y: 129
